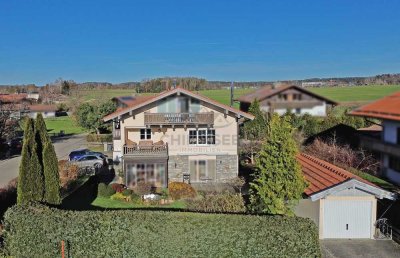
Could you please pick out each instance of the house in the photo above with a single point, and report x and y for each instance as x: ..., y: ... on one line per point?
x: 177, y: 135
x: 282, y: 99
x: 387, y: 144
x: 342, y: 204
x: 46, y: 110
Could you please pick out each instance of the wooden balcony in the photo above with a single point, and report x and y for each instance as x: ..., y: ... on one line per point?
x: 148, y: 150
x: 378, y: 145
x: 179, y: 118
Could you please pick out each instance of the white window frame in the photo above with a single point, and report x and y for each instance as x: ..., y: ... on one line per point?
x: 206, y: 135
x: 146, y: 133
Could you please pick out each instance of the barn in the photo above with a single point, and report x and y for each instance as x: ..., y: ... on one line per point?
x: 342, y: 204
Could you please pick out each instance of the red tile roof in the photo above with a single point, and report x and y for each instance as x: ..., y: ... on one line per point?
x: 145, y: 100
x: 13, y: 98
x: 270, y: 91
x: 43, y: 108
x: 322, y: 175
x: 387, y: 108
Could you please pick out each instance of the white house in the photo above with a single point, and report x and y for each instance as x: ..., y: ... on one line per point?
x: 287, y: 98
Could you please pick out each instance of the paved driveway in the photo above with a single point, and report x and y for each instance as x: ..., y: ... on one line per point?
x: 63, y: 146
x: 359, y: 248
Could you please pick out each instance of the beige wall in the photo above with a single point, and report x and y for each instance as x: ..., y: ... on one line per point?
x: 226, y: 129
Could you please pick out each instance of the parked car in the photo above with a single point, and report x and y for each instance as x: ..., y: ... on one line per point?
x: 76, y: 154
x: 90, y: 161
x: 15, y: 145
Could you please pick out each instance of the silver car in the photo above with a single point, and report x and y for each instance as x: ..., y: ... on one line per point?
x: 90, y: 161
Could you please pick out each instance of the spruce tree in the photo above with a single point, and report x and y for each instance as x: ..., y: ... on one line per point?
x: 278, y: 181
x: 51, y: 175
x: 30, y: 179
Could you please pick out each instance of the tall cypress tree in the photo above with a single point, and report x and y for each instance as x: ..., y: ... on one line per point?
x: 278, y: 182
x: 30, y: 179
x: 51, y: 175
x: 49, y: 161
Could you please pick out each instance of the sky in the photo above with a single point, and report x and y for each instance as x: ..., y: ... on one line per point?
x: 119, y: 41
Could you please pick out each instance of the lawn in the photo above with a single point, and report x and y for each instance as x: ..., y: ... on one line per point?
x: 104, y: 94
x: 356, y: 93
x: 104, y: 202
x: 64, y: 123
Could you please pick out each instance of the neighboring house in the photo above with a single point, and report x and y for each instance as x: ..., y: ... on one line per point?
x: 388, y: 142
x: 46, y: 110
x: 342, y: 204
x: 287, y: 98
x: 177, y: 135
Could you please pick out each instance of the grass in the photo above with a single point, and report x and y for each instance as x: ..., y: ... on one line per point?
x: 375, y: 180
x: 64, y: 123
x: 104, y: 94
x: 104, y: 202
x: 356, y: 93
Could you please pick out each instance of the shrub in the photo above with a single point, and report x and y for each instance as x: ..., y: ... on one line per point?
x: 135, y: 198
x: 117, y: 187
x: 226, y: 202
x: 104, y: 190
x: 99, y: 138
x: 119, y: 197
x: 142, y: 188
x: 179, y: 190
x: 38, y: 231
x: 126, y: 192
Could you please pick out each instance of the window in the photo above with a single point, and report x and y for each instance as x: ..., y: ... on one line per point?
x: 202, y: 170
x: 394, y: 163
x: 296, y: 96
x: 145, y: 134
x: 202, y: 137
x: 298, y: 110
x: 117, y: 124
x: 153, y: 173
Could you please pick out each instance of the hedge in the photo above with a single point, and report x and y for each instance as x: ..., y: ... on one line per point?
x: 36, y: 231
x: 99, y: 138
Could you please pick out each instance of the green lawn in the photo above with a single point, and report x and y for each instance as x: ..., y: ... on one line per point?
x: 107, y: 203
x: 65, y: 123
x: 356, y: 93
x: 104, y: 94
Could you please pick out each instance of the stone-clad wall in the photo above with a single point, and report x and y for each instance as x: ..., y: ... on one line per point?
x: 226, y: 167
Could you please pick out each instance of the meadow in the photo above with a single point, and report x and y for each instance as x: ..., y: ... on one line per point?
x: 63, y: 123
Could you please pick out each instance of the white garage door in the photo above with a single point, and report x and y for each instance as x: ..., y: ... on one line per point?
x: 347, y: 219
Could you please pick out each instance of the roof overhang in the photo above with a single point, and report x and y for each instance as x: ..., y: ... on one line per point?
x: 177, y: 91
x: 354, y: 184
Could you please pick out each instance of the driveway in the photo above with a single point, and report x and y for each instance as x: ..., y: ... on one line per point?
x: 359, y: 248
x: 63, y: 146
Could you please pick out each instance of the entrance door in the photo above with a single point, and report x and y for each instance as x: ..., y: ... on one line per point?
x: 347, y: 219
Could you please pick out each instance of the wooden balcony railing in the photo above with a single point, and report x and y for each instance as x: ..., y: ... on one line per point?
x: 146, y: 150
x: 179, y: 118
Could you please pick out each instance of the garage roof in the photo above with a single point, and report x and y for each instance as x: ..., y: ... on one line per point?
x: 325, y: 178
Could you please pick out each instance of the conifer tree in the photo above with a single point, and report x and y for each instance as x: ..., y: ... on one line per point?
x: 30, y: 179
x: 51, y: 175
x: 278, y: 181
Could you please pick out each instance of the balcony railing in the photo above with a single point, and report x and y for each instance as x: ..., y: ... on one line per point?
x: 146, y: 150
x: 378, y: 145
x: 179, y: 118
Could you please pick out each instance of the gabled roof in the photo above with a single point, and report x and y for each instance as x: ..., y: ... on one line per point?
x: 42, y: 108
x: 387, y: 108
x: 269, y: 91
x: 151, y: 99
x: 13, y: 98
x: 325, y: 178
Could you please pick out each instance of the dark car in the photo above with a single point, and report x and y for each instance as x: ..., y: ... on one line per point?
x: 76, y: 154
x: 15, y: 145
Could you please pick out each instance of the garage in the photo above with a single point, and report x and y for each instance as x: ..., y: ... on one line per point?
x: 342, y: 204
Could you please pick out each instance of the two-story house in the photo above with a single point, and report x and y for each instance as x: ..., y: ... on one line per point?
x: 282, y: 99
x: 387, y: 110
x: 177, y: 135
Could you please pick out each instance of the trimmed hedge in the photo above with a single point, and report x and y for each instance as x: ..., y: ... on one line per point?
x: 99, y: 138
x: 36, y: 231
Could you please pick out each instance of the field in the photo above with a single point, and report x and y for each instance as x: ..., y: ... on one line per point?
x: 356, y: 93
x: 64, y: 123
x: 346, y: 95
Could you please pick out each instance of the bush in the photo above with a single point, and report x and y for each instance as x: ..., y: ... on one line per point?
x: 99, y: 138
x: 143, y: 188
x: 135, y: 198
x: 104, y: 190
x: 226, y: 202
x: 38, y: 231
x: 126, y: 192
x: 117, y: 187
x: 179, y: 190
x: 119, y: 197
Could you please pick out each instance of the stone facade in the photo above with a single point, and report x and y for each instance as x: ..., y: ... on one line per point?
x: 226, y: 167
x: 177, y: 165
